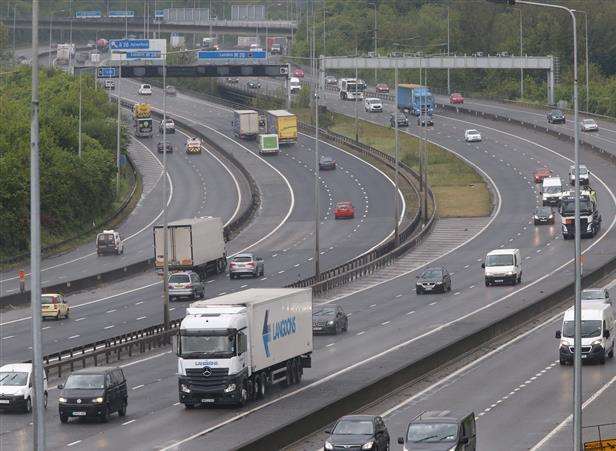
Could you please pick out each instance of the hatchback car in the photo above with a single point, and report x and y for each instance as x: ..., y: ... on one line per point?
x: 382, y: 87
x: 543, y: 215
x: 16, y: 387
x: 344, y: 210
x: 540, y: 174
x: 456, y: 98
x: 298, y: 73
x: 93, y: 392
x: 331, y: 80
x: 170, y: 90
x: 185, y: 284
x: 327, y: 163
x: 329, y: 320
x: 589, y: 125
x: 161, y: 148
x: 373, y: 105
x: 253, y: 85
x: 365, y: 432
x: 472, y: 136
x: 233, y: 80
x: 556, y: 117
x: 169, y: 124
x: 53, y: 305
x: 145, y: 90
x: 402, y: 120
x: 246, y: 264
x: 432, y: 280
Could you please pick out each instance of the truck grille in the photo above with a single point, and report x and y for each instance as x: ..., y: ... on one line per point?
x: 216, y: 380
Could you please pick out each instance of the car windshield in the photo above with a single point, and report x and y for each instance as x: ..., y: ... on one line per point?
x: 557, y: 113
x: 206, y: 345
x: 146, y: 87
x: 13, y: 378
x: 324, y: 312
x: 179, y: 278
x: 85, y: 381
x: 551, y: 189
x: 49, y: 299
x: 472, y: 132
x: 354, y: 427
x: 590, y: 328
x: 432, y: 274
x: 543, y: 211
x: 432, y: 432
x: 588, y: 295
x: 243, y: 259
x: 499, y: 260
x: 588, y: 121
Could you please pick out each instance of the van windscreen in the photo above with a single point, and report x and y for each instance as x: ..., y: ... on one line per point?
x: 432, y: 432
x: 13, y: 378
x: 499, y: 260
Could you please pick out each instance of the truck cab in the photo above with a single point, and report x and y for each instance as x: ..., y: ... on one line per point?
x: 590, y: 218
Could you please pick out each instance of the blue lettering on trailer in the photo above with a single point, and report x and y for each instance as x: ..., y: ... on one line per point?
x: 280, y: 329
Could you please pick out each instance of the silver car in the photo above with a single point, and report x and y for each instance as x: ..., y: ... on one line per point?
x: 185, y: 285
x: 246, y: 264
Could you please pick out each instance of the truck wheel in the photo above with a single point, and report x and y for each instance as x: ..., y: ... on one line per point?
x: 243, y: 396
x: 262, y: 390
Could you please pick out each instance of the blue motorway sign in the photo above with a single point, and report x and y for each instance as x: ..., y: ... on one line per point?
x: 231, y: 54
x: 88, y: 14
x: 159, y: 14
x: 129, y: 44
x: 121, y: 13
x: 143, y: 54
x: 107, y: 72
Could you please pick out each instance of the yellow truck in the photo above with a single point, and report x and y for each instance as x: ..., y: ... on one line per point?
x: 142, y: 120
x: 283, y: 124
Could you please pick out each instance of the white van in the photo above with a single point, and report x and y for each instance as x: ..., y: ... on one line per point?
x: 598, y: 330
x: 294, y: 85
x: 16, y: 387
x: 503, y: 266
x: 551, y: 190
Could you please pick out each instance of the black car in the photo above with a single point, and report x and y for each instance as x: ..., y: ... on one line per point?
x: 366, y: 432
x: 423, y: 120
x: 253, y: 85
x: 543, y: 215
x: 433, y: 279
x: 93, y: 392
x: 402, y: 120
x: 327, y: 163
x: 330, y: 319
x: 161, y: 148
x: 556, y: 117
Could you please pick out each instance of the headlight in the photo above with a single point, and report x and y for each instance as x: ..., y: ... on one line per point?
x: 596, y: 343
x: 61, y: 399
x: 330, y: 323
x: 453, y: 448
x: 368, y: 445
x: 536, y: 217
x: 589, y: 227
x: 328, y: 445
x: 98, y: 400
x: 230, y: 388
x: 184, y: 388
x: 550, y: 217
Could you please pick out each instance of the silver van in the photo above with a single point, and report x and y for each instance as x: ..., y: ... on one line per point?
x: 438, y: 430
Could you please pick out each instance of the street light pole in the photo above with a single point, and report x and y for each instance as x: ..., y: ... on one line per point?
x: 35, y: 245
x: 317, y: 213
x: 14, y: 26
x: 448, y: 50
x: 355, y: 101
x: 375, y: 47
x: 165, y: 229
x: 118, y: 130
x: 587, y: 70
x: 397, y: 149
x: 521, y: 54
x: 80, y: 107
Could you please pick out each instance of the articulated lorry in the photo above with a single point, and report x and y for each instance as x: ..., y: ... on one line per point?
x: 142, y: 120
x: 283, y: 124
x: 196, y: 244
x: 590, y: 218
x: 245, y: 124
x: 415, y: 99
x: 232, y: 348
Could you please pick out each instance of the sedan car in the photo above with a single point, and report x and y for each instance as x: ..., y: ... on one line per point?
x: 543, y: 215
x: 185, y: 284
x: 456, y: 98
x: 169, y: 124
x: 329, y: 320
x: 53, y: 305
x: 472, y: 135
x: 373, y: 105
x: 145, y: 90
x: 233, y: 80
x: 331, y: 80
x: 433, y: 279
x: 326, y: 163
x: 589, y: 125
x: 253, y: 85
x: 556, y: 117
x: 365, y: 432
x: 170, y: 90
x: 401, y: 118
x: 246, y: 264
x: 298, y: 73
x: 161, y: 148
x: 540, y: 174
x: 344, y: 210
x: 382, y: 87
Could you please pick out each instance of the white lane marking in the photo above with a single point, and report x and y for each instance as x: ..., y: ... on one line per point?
x: 140, y: 302
x: 329, y: 345
x: 73, y: 336
x: 111, y: 311
x: 8, y: 337
x: 361, y: 333
x: 128, y: 422
x: 74, y: 443
x: 385, y: 323
x: 411, y: 312
x: 137, y: 387
x: 141, y: 317
x: 109, y: 327
x: 80, y: 319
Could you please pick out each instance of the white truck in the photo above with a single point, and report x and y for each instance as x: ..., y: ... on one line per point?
x: 63, y: 54
x: 245, y: 124
x: 351, y: 88
x: 196, y: 244
x: 295, y: 85
x: 232, y: 348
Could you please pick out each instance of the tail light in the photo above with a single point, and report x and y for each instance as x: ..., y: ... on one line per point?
x: 170, y: 286
x: 232, y: 264
x: 251, y: 264
x: 188, y: 285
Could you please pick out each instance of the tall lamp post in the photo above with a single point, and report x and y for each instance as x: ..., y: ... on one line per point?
x: 51, y: 30
x: 587, y: 69
x: 577, y: 372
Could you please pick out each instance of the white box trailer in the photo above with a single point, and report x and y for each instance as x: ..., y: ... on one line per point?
x: 245, y: 124
x: 193, y: 244
x: 233, y: 347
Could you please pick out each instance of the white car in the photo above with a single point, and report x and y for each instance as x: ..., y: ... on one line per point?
x: 16, y: 387
x: 584, y: 175
x: 145, y: 90
x: 372, y: 104
x: 589, y: 125
x: 472, y: 135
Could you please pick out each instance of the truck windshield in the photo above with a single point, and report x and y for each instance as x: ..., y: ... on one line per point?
x: 590, y: 328
x: 568, y: 208
x: 206, y: 346
x: 499, y: 260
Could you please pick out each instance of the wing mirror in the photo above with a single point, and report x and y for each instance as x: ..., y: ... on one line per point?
x: 558, y: 334
x: 400, y: 441
x: 606, y: 334
x: 483, y: 265
x: 60, y: 386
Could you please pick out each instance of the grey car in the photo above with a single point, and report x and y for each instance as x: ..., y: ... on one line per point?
x: 186, y: 284
x: 246, y: 264
x: 433, y: 279
x: 327, y: 163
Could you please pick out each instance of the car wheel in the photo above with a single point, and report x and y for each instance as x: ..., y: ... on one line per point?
x: 562, y: 361
x: 63, y: 418
x: 417, y: 290
x: 189, y: 406
x: 602, y: 359
x: 28, y: 407
x: 105, y: 415
x: 58, y: 316
x: 45, y: 400
x: 487, y: 283
x: 122, y: 409
x: 67, y: 313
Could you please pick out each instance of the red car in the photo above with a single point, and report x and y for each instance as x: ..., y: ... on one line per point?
x: 382, y: 87
x: 456, y: 97
x: 540, y: 174
x: 298, y: 73
x: 344, y: 210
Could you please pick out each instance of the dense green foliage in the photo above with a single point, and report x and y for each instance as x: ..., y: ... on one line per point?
x: 74, y: 191
x: 411, y: 26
